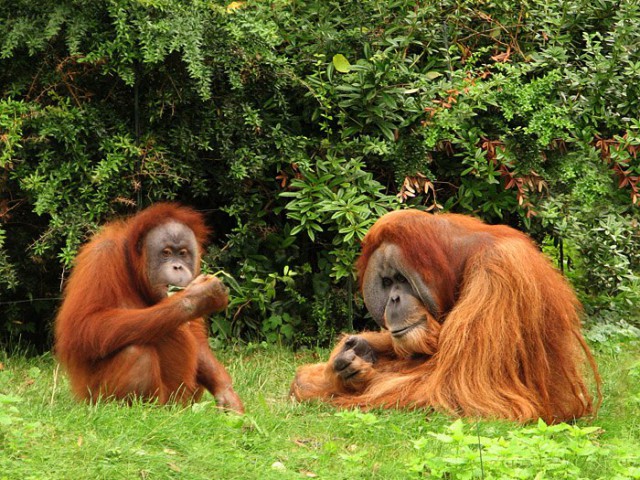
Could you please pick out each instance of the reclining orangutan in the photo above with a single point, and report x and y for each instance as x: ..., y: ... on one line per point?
x: 475, y: 321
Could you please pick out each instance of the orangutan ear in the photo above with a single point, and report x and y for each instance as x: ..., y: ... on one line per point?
x: 386, y: 262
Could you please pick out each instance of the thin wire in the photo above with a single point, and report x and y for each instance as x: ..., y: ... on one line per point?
x: 480, y: 449
x: 136, y: 123
x: 32, y: 300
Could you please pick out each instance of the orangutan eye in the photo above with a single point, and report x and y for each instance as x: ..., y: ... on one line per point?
x: 166, y: 252
x: 400, y: 279
x: 386, y: 282
x: 183, y: 252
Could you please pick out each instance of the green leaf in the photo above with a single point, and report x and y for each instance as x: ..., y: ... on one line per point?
x: 341, y: 63
x: 442, y: 437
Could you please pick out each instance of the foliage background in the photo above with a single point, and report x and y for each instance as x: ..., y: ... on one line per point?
x: 294, y: 124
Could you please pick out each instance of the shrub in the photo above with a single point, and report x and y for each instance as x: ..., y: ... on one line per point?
x: 294, y: 125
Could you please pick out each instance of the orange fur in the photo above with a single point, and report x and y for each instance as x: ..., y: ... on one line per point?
x: 116, y: 341
x: 508, y: 343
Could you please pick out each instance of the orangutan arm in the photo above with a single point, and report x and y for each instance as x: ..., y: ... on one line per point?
x: 350, y: 368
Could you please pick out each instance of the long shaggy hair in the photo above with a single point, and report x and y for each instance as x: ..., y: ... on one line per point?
x: 508, y: 340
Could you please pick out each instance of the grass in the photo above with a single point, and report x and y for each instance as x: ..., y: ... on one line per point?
x: 44, y: 434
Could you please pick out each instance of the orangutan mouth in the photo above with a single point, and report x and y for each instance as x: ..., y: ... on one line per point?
x: 403, y: 331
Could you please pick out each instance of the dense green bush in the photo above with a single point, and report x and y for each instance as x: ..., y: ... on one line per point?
x: 294, y: 124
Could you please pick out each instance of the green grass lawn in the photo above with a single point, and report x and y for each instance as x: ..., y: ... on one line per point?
x: 44, y: 434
